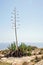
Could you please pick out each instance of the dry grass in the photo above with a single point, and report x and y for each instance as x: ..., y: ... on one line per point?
x: 3, y: 63
x: 25, y: 63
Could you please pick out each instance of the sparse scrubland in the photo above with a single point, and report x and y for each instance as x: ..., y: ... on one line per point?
x: 31, y: 54
x: 26, y: 50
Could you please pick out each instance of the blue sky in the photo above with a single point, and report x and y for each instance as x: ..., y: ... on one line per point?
x: 31, y: 20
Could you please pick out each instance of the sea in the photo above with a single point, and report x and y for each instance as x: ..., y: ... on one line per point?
x: 5, y: 45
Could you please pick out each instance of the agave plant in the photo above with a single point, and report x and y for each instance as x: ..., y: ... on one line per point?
x: 12, y: 46
x: 23, y: 47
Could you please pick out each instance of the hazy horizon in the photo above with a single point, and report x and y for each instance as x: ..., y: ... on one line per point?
x: 6, y: 45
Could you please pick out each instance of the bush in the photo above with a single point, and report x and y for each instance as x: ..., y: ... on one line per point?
x: 23, y: 47
x: 28, y: 54
x: 12, y: 47
x: 34, y: 47
x: 29, y: 48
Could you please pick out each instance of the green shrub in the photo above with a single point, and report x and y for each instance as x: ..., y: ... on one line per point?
x: 29, y: 48
x: 29, y: 54
x: 23, y: 47
x: 34, y: 47
x: 12, y: 47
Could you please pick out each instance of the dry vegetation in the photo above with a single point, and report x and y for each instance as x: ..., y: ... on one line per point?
x: 3, y: 63
x: 27, y: 50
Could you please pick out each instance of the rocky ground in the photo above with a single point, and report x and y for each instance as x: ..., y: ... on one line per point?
x: 35, y: 59
x: 19, y: 61
x: 39, y: 63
